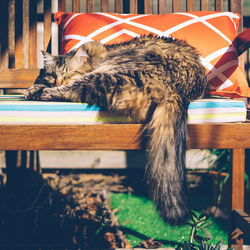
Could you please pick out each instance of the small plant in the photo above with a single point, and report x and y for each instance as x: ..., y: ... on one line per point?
x: 223, y: 165
x: 199, y: 235
x: 198, y: 225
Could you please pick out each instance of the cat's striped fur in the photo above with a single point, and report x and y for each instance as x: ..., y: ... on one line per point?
x: 149, y: 78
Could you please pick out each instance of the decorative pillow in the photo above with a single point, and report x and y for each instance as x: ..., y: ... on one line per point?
x: 211, y: 33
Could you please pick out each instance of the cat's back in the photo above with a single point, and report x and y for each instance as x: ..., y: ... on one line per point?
x: 151, y: 49
x: 152, y: 55
x: 142, y: 44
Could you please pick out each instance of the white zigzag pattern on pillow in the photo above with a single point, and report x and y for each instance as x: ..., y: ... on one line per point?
x: 214, y: 72
x: 117, y: 34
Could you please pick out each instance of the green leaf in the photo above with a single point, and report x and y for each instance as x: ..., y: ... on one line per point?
x: 199, y: 238
x: 207, y: 233
x: 204, y: 246
x: 207, y: 223
x: 203, y: 223
x: 193, y: 246
x: 195, y: 216
x: 203, y: 217
x: 186, y: 246
x: 218, y: 246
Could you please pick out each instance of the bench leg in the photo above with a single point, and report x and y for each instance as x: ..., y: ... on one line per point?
x: 238, y: 171
x: 11, y: 165
x: 17, y: 161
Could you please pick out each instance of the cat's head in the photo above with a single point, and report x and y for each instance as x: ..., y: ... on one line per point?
x: 83, y: 59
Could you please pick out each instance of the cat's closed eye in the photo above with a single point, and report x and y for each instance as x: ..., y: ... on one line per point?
x: 50, y: 78
x: 54, y: 79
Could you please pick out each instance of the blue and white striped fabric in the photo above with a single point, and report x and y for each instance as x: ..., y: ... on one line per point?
x: 217, y: 110
x: 15, y: 110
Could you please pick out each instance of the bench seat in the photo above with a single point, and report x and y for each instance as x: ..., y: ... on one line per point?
x: 31, y: 125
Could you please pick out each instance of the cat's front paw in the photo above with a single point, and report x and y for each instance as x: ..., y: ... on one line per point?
x: 34, y: 93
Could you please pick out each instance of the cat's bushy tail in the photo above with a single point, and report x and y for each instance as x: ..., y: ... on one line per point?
x: 166, y: 146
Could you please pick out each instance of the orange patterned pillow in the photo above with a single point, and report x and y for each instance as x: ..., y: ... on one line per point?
x: 212, y: 33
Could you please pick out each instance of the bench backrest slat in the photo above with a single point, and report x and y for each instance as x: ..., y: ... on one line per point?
x: 119, y: 6
x: 176, y: 6
x: 47, y: 25
x: 204, y: 5
x: 76, y: 5
x: 162, y: 7
x: 190, y: 5
x: 17, y: 36
x: 61, y: 5
x: 219, y: 5
x: 33, y: 34
x: 133, y: 6
x: 90, y: 6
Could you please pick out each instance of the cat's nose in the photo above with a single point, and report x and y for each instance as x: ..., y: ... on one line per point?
x: 59, y: 80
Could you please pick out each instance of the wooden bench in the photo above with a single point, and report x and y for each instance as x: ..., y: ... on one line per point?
x: 19, y: 69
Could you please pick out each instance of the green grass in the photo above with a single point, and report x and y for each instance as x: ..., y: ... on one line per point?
x: 139, y: 221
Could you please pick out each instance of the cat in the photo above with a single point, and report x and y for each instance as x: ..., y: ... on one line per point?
x: 152, y: 79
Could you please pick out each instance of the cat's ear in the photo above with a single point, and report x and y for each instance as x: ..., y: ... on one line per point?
x: 48, y: 59
x: 79, y: 58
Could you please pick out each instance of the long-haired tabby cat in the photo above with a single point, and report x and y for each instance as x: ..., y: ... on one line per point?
x: 150, y: 78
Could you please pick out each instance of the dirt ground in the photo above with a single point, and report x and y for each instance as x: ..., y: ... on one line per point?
x: 62, y: 211
x: 68, y: 210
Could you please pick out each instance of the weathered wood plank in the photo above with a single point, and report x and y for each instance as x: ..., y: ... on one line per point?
x: 176, y: 5
x: 18, y: 35
x: 162, y: 7
x: 62, y: 5
x: 240, y: 226
x: 104, y: 5
x: 218, y: 135
x: 33, y: 34
x: 119, y: 6
x: 242, y: 220
x: 148, y: 6
x: 238, y: 171
x: 11, y: 164
x: 26, y: 33
x: 76, y: 5
x: 4, y: 56
x: 204, y: 5
x: 114, y: 136
x: 218, y: 5
x: 237, y: 175
x: 11, y: 29
x: 20, y: 78
x: 236, y: 6
x: 133, y: 6
x: 69, y: 137
x: 90, y: 6
x: 47, y: 25
x: 190, y: 5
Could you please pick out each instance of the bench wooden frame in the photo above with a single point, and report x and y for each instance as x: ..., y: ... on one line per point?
x: 18, y: 69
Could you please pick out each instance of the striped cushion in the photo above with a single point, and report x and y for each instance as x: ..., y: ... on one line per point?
x: 15, y: 110
x: 217, y: 110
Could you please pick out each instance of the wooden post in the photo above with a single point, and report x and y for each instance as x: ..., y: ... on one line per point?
x: 238, y: 171
x: 11, y: 166
x: 235, y: 239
